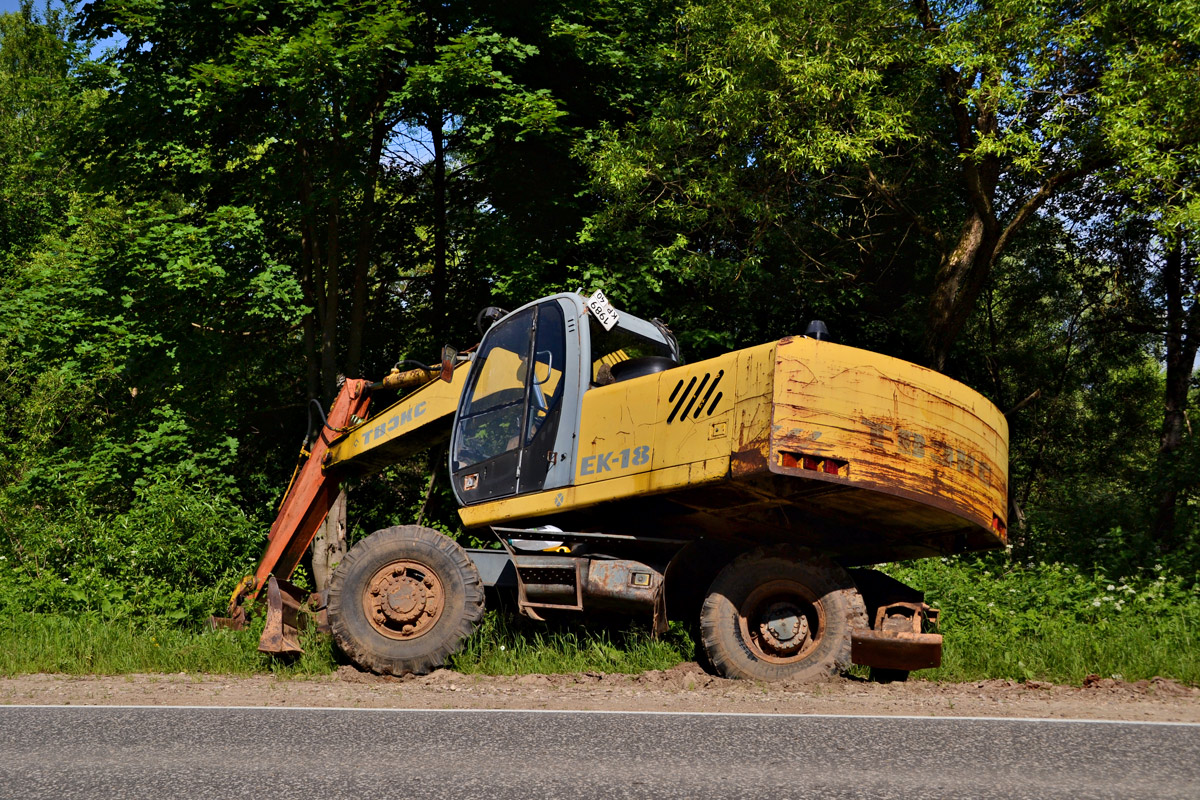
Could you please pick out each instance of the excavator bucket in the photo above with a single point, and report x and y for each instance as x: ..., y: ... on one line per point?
x: 237, y: 618
x: 281, y: 634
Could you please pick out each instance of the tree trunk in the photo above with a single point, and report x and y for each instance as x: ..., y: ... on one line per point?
x: 960, y: 280
x: 367, y: 224
x: 440, y: 285
x: 329, y: 545
x: 1182, y: 342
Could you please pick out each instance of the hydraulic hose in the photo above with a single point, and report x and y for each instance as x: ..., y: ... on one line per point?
x: 311, y: 434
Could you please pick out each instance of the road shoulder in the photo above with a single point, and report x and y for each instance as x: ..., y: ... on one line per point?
x: 684, y: 688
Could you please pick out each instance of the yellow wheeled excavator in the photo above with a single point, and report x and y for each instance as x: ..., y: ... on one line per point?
x: 747, y: 492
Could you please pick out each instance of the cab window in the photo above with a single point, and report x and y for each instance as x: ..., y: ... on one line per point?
x: 549, y: 359
x: 612, y: 347
x: 490, y: 425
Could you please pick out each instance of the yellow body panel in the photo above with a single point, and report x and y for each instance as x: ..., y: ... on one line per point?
x: 623, y: 427
x: 851, y: 450
x: 889, y: 426
x: 553, y: 501
x: 416, y: 421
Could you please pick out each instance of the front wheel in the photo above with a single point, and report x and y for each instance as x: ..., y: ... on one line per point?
x: 404, y: 600
x: 777, y: 614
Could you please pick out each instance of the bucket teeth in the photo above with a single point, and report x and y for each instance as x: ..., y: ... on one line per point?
x: 234, y: 623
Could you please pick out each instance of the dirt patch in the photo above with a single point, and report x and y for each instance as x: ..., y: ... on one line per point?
x: 684, y: 688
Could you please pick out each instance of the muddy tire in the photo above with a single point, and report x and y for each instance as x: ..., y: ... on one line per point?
x: 777, y: 614
x: 404, y: 600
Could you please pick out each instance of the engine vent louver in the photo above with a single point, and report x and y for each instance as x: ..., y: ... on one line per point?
x: 695, y: 397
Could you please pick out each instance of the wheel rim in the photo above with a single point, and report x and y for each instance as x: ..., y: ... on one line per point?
x: 781, y: 622
x: 404, y: 600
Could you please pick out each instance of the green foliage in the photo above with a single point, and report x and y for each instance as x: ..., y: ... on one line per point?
x: 1148, y: 98
x: 126, y: 331
x: 41, y: 106
x: 824, y: 153
x: 173, y: 556
x: 1054, y: 621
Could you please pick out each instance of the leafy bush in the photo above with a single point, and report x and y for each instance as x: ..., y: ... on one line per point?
x: 174, y: 554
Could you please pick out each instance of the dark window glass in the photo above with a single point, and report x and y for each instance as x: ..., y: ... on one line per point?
x: 491, y: 422
x: 617, y: 345
x: 549, y: 360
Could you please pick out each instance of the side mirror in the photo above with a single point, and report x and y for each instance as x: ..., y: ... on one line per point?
x: 449, y: 359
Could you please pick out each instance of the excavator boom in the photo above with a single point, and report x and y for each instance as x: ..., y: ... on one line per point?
x: 348, y: 444
x: 305, y: 504
x: 416, y: 422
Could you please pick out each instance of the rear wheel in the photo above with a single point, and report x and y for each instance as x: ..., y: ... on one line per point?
x: 404, y: 600
x: 780, y: 614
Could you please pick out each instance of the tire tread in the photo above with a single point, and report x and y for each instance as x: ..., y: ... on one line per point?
x: 719, y: 623
x: 371, y: 652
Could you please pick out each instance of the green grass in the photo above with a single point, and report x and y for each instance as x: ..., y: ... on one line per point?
x: 88, y: 645
x: 502, y: 645
x: 1055, y: 622
x: 1000, y: 620
x: 1066, y: 652
x: 508, y: 645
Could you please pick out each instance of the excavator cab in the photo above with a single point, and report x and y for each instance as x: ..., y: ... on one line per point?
x: 507, y: 430
x: 516, y: 427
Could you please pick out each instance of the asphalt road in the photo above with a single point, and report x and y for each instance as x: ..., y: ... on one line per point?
x: 197, y: 753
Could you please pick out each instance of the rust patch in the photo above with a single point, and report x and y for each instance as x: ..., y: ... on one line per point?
x: 752, y: 456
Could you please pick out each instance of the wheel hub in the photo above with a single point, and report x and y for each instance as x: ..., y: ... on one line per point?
x: 783, y: 629
x: 406, y: 603
x: 403, y: 599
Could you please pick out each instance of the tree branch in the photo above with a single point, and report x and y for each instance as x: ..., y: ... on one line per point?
x: 1039, y: 198
x: 899, y: 205
x: 1037, y: 393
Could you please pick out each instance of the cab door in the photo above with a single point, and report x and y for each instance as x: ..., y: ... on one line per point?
x: 508, y: 418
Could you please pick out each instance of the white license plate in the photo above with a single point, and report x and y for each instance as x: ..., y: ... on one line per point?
x: 602, y: 310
